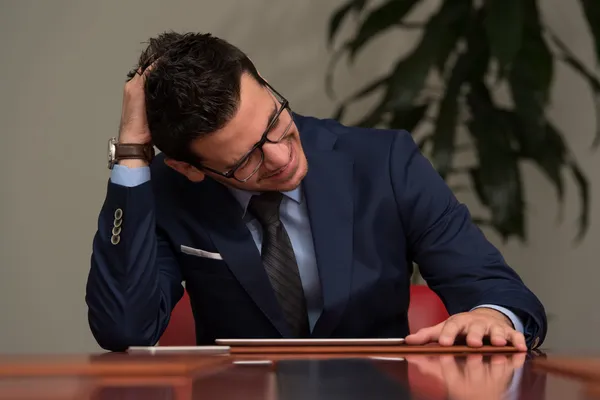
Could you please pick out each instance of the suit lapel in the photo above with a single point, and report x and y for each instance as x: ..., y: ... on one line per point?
x: 328, y: 189
x: 234, y: 241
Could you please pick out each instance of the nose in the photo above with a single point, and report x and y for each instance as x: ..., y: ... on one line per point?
x: 277, y: 155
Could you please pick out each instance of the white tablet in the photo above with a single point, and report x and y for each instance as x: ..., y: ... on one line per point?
x: 178, y: 349
x: 311, y: 342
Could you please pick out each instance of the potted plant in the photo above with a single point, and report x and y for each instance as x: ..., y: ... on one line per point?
x: 473, y: 48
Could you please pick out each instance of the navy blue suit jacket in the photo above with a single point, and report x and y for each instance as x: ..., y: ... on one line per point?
x: 375, y: 204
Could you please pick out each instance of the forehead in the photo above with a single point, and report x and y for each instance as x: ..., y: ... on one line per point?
x: 243, y: 130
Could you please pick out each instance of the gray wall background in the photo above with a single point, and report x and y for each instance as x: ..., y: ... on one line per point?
x: 62, y: 69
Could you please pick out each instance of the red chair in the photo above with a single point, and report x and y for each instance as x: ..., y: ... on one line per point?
x: 181, y: 330
x: 426, y: 309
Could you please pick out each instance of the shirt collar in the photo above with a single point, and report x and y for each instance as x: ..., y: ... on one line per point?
x: 243, y: 196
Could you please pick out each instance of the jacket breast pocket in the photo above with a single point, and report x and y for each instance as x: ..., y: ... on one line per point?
x: 200, y: 263
x: 200, y: 253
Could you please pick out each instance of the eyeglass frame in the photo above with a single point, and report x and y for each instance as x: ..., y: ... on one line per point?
x: 258, y: 145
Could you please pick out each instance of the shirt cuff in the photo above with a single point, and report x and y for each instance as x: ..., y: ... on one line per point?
x: 516, y: 321
x: 130, y: 177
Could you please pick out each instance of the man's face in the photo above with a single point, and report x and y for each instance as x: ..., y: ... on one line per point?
x: 284, y: 164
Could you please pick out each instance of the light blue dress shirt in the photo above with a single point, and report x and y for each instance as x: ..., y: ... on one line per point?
x: 294, y: 216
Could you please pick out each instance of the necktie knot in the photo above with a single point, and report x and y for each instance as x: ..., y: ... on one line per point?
x: 265, y: 207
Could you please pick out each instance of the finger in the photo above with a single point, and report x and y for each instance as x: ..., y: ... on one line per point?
x: 498, y: 335
x: 426, y: 365
x: 518, y: 340
x: 475, y: 333
x: 518, y: 360
x: 145, y: 71
x: 140, y: 75
x: 450, y: 369
x: 424, y: 335
x: 475, y: 368
x: 500, y: 367
x: 134, y: 79
x: 499, y: 359
x: 450, y: 330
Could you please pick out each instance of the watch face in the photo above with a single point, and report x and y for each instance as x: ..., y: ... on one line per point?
x: 111, y: 152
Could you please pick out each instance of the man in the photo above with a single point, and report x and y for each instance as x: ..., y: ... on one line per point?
x: 280, y: 225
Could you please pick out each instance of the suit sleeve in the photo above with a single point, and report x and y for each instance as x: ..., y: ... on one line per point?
x: 134, y: 281
x: 454, y: 257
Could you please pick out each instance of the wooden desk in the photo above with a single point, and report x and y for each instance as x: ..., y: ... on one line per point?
x: 463, y: 375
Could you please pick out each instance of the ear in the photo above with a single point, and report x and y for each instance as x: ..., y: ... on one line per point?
x: 185, y: 169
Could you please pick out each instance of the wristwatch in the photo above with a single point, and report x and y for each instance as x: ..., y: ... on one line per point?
x: 128, y: 151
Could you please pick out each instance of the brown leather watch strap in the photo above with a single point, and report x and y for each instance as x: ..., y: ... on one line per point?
x: 128, y: 151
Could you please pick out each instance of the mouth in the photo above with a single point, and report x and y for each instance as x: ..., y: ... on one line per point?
x: 281, y: 173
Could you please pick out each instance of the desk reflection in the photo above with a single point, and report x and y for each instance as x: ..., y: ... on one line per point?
x: 418, y: 376
x: 474, y: 376
x: 466, y: 378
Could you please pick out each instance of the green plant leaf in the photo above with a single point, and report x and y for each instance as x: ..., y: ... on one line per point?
x: 411, y: 72
x: 504, y: 28
x: 511, y: 32
x: 479, y: 221
x: 498, y: 188
x: 337, y: 56
x: 569, y: 58
x: 444, y: 135
x: 445, y: 129
x: 408, y: 118
x: 551, y: 154
x: 584, y: 193
x: 546, y: 148
x: 591, y: 10
x: 471, y: 64
x: 384, y: 17
x: 555, y: 144
x: 404, y: 83
x: 455, y: 30
x: 421, y: 143
x: 478, y: 48
x: 340, y: 14
x: 408, y: 77
x: 374, y: 117
x: 532, y: 71
x: 496, y: 179
x: 339, y: 113
x: 370, y: 88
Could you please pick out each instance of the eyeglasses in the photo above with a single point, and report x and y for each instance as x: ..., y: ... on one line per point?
x: 250, y: 163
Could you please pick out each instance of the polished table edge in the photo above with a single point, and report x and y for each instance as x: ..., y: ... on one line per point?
x: 217, y: 377
x: 110, y: 365
x: 164, y: 365
x: 402, y: 349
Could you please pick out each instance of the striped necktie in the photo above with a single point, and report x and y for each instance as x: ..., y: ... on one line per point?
x: 279, y: 262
